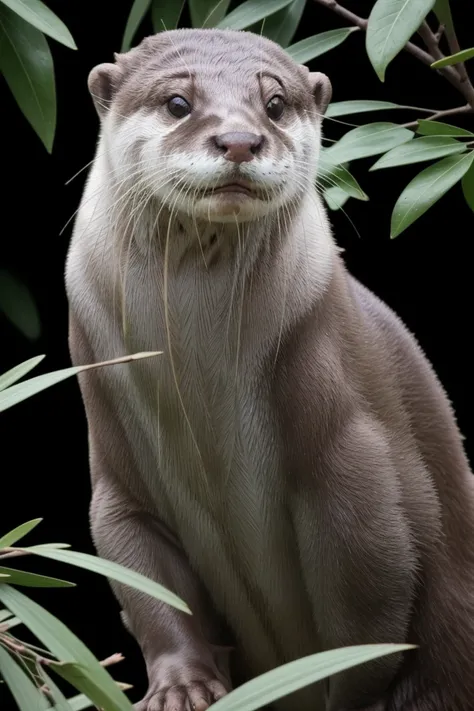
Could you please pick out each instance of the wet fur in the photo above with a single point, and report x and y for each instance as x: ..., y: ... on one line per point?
x: 290, y: 466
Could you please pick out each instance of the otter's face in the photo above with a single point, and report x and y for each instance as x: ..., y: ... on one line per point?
x: 220, y: 125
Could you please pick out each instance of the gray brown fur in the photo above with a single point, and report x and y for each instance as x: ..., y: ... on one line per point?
x: 307, y: 488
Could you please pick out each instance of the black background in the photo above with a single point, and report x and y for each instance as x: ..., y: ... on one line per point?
x: 425, y: 275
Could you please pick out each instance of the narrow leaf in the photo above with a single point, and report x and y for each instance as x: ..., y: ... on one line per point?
x: 78, y: 703
x: 368, y: 140
x: 426, y: 189
x: 165, y: 14
x: 60, y: 701
x: 19, y: 532
x: 4, y: 614
x: 81, y: 679
x: 207, y: 13
x: 11, y: 376
x: 468, y: 186
x: 461, y: 56
x: 27, y: 65
x: 25, y: 693
x: 32, y: 580
x: 442, y: 11
x: 113, y: 571
x: 282, y: 25
x: 137, y: 13
x: 316, y: 45
x: 391, y: 24
x: 66, y: 647
x: 250, y: 12
x: 335, y: 197
x: 344, y: 108
x: 22, y: 391
x: 295, y: 675
x: 12, y: 622
x: 40, y: 16
x: 438, y: 128
x: 338, y: 176
x: 418, y: 150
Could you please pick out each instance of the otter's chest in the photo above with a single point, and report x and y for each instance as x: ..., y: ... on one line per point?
x: 213, y: 455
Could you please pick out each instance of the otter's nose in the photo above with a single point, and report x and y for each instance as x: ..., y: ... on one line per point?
x: 239, y: 147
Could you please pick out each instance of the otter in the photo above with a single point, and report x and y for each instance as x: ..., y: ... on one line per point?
x: 290, y: 466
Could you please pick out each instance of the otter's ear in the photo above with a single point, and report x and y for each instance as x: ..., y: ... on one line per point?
x: 103, y: 82
x: 322, y: 90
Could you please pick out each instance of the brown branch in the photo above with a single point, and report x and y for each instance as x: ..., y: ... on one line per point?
x: 466, y: 109
x: 431, y: 41
x: 463, y: 85
x: 454, y: 47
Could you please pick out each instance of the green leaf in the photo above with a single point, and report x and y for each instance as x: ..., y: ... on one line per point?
x: 113, y: 571
x: 25, y: 693
x: 207, y: 13
x: 391, y: 24
x: 27, y: 65
x: 344, y: 108
x: 250, y: 12
x: 21, y: 391
x: 426, y: 189
x: 338, y: 176
x: 53, y: 545
x: 368, y: 140
x: 78, y: 703
x: 282, y: 25
x: 19, y: 532
x: 17, y: 304
x: 37, y: 14
x: 31, y: 580
x: 295, y: 675
x: 418, y: 150
x: 11, y: 376
x: 60, y: 701
x: 4, y: 614
x: 335, y: 197
x: 316, y: 45
x: 468, y: 186
x: 442, y: 11
x: 461, y: 56
x: 12, y: 622
x: 165, y: 14
x: 67, y: 647
x: 137, y: 13
x: 79, y: 677
x: 438, y: 128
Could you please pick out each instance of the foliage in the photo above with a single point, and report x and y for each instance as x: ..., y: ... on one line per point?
x: 27, y: 668
x: 26, y: 62
x: 27, y: 65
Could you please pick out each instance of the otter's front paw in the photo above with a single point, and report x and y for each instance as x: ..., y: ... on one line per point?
x: 185, y: 689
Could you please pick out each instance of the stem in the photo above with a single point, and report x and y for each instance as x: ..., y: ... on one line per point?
x: 466, y: 109
x: 463, y: 85
x: 11, y: 553
x: 454, y: 47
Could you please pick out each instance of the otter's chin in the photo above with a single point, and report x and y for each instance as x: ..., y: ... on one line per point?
x: 230, y: 206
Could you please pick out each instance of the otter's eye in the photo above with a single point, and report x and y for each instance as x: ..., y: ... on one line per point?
x: 178, y: 107
x: 275, y: 108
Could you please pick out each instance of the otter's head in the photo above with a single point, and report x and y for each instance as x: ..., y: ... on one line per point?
x: 221, y: 125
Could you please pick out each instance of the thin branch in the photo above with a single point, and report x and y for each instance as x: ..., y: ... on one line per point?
x: 454, y: 47
x: 464, y: 86
x: 11, y: 553
x: 466, y: 109
x: 431, y: 40
x: 362, y: 23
